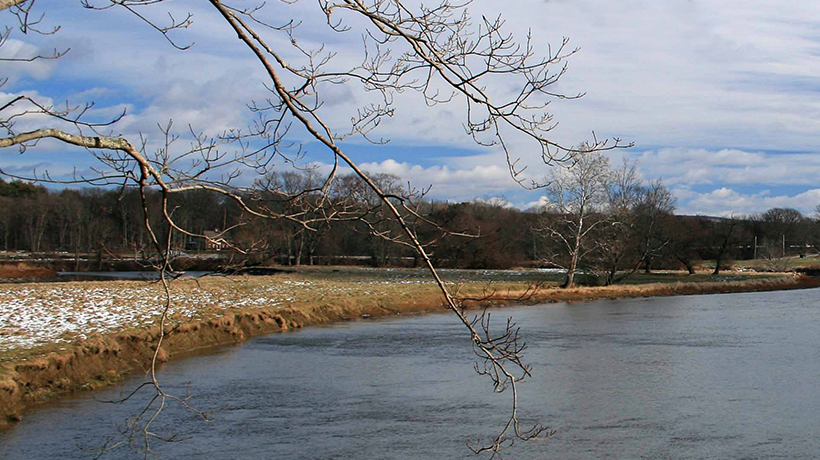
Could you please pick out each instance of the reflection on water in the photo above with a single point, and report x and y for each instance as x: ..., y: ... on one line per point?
x: 721, y: 376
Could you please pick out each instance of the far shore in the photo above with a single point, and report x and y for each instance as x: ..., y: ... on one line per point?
x: 89, y: 335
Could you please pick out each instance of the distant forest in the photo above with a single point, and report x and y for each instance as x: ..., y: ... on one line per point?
x: 635, y: 234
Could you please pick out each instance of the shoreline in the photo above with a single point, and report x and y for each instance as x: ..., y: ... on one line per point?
x: 104, y: 360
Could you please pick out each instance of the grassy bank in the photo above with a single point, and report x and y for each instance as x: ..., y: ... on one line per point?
x: 61, y: 337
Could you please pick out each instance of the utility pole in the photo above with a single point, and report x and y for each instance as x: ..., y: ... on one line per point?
x: 754, y: 257
x: 784, y: 245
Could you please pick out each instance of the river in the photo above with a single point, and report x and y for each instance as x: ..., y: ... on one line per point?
x: 720, y: 376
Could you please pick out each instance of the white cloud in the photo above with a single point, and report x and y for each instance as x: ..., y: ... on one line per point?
x: 91, y: 94
x: 725, y: 202
x: 38, y: 69
x: 447, y: 183
x: 687, y: 167
x: 713, y: 86
x: 540, y: 203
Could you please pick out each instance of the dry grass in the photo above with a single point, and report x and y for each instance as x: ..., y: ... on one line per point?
x: 37, y: 318
x: 42, y: 317
x: 790, y: 263
x: 690, y: 286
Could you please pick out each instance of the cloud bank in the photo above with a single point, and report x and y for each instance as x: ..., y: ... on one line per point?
x: 721, y: 97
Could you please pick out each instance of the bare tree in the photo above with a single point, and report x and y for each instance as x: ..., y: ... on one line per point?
x: 724, y: 235
x: 577, y: 207
x: 654, y: 208
x: 687, y: 237
x: 439, y: 53
x: 617, y: 242
x: 784, y: 227
x: 773, y: 257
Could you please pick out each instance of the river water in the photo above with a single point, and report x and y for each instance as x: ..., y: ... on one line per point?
x: 700, y: 377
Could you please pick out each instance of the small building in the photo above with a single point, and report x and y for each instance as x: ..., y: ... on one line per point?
x: 214, y: 240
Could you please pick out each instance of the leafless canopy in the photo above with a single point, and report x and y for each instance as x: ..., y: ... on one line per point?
x: 440, y: 53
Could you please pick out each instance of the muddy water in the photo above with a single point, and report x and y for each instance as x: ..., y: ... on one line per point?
x: 721, y: 376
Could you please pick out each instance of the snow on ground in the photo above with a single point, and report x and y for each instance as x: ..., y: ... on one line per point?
x: 33, y: 315
x: 40, y: 314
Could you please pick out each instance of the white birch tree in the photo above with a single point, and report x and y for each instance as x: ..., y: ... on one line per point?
x: 578, y: 205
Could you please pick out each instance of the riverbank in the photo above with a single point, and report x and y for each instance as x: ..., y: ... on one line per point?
x: 64, y: 337
x: 22, y: 271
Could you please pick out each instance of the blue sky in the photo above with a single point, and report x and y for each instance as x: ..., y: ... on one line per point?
x: 721, y: 98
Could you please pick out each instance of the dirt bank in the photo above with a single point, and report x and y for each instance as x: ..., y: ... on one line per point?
x: 99, y: 361
x: 23, y: 271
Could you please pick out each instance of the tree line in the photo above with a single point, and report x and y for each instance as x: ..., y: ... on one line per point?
x: 608, y: 223
x: 598, y: 220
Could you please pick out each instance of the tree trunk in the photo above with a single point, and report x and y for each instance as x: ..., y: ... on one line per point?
x: 718, y: 261
x: 75, y: 240
x: 719, y: 258
x: 299, y: 250
x: 687, y: 264
x: 62, y: 234
x: 124, y: 217
x: 289, y: 247
x: 32, y: 234
x: 610, y: 277
x: 573, y: 265
x: 648, y: 266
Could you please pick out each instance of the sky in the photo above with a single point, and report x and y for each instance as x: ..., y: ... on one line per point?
x: 720, y: 98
